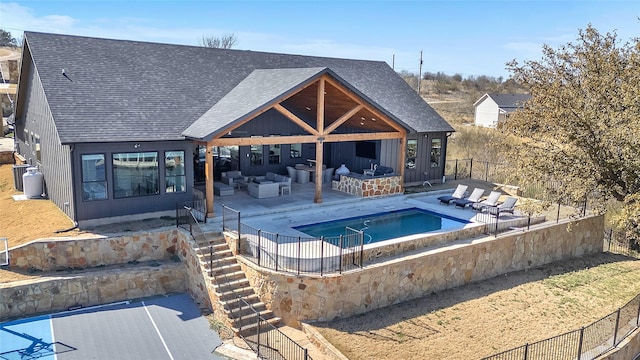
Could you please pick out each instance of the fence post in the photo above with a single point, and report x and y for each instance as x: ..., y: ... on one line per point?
x: 258, y: 332
x: 638, y: 316
x: 580, y: 342
x: 526, y: 351
x: 361, y: 249
x: 497, y: 218
x: 455, y: 174
x: 470, y: 168
x: 321, y: 255
x: 558, y: 214
x: 299, y: 244
x: 239, y: 234
x: 486, y: 172
x: 306, y: 354
x: 259, y: 248
x: 277, y: 249
x: 610, y: 240
x: 615, y: 331
x: 340, y: 265
x: 224, y: 212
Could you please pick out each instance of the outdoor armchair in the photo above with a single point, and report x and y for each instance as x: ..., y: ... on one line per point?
x: 492, y: 200
x: 475, y: 197
x: 507, y: 206
x: 457, y: 194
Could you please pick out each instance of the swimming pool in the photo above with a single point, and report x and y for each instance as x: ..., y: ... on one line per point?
x: 387, y: 225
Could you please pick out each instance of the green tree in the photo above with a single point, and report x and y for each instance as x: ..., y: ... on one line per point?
x: 581, y: 127
x: 226, y: 41
x: 6, y: 39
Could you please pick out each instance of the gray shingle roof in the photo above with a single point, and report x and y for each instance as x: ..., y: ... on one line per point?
x: 509, y: 102
x: 120, y: 90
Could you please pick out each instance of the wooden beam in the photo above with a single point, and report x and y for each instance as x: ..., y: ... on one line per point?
x: 318, y: 174
x: 265, y: 140
x: 208, y: 172
x: 320, y: 106
x: 346, y: 116
x: 362, y: 136
x: 295, y: 119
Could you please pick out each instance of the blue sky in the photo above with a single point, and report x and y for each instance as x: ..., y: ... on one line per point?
x: 465, y: 37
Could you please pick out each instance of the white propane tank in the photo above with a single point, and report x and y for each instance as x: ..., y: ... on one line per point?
x: 32, y: 183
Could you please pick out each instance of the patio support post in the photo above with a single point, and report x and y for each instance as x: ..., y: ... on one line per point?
x: 319, y: 150
x: 208, y: 173
x: 402, y: 153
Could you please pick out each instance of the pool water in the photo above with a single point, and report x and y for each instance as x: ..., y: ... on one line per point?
x: 387, y: 225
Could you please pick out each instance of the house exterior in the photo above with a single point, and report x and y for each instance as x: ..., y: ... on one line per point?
x: 493, y: 108
x: 121, y: 129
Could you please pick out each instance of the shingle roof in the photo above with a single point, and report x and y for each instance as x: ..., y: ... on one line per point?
x: 509, y: 102
x: 118, y: 90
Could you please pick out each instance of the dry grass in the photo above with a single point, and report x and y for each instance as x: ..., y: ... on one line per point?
x: 491, y: 316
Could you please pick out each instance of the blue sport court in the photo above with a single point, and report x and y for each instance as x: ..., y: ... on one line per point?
x: 167, y: 327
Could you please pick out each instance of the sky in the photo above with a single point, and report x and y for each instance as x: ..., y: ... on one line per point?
x: 465, y: 37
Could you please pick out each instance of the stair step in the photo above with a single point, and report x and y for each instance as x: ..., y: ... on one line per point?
x: 220, y: 254
x: 231, y: 275
x: 227, y: 269
x: 245, y: 309
x: 242, y: 292
x: 234, y: 303
x: 250, y: 329
x: 252, y: 318
x: 238, y: 283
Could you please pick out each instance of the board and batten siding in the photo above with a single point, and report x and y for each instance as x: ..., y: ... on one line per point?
x: 55, y: 163
x: 423, y: 170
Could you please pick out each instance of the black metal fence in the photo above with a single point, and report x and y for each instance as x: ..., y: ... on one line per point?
x: 268, y: 342
x: 296, y: 254
x: 595, y: 339
x: 196, y: 209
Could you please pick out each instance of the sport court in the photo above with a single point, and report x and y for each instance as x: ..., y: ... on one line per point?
x: 167, y: 327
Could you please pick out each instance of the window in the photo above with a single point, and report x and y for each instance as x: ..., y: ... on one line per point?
x: 135, y: 174
x: 174, y: 174
x: 38, y: 154
x: 94, y: 180
x: 274, y: 154
x: 436, y: 148
x: 296, y: 151
x: 256, y: 155
x: 412, y: 147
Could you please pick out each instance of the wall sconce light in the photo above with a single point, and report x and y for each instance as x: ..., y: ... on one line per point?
x: 135, y: 146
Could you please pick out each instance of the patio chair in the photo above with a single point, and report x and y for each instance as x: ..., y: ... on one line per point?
x: 475, y: 197
x: 492, y: 200
x: 507, y: 206
x: 458, y: 194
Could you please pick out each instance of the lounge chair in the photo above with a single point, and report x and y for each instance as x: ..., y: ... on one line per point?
x: 475, y: 197
x: 507, y: 206
x: 492, y: 200
x: 458, y: 194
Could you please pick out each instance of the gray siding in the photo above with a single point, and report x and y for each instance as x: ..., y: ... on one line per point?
x: 111, y: 207
x: 423, y: 170
x: 55, y: 162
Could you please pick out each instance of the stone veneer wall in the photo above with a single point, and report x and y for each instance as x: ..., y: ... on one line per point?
x: 66, y: 253
x: 365, y: 187
x: 385, y: 282
x: 56, y: 293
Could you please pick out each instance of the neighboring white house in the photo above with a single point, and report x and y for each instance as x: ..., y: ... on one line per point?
x: 492, y: 108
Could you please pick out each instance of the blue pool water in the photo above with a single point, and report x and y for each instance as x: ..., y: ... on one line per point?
x: 387, y: 225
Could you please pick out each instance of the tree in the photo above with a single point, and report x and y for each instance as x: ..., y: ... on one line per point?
x: 226, y: 41
x: 6, y: 39
x: 581, y: 127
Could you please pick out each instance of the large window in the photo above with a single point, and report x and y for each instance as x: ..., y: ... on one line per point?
x: 94, y: 180
x: 412, y: 148
x: 274, y: 154
x: 174, y: 173
x: 436, y: 149
x: 135, y: 174
x: 256, y: 155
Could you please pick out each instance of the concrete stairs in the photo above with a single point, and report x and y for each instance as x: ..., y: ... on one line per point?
x: 232, y: 287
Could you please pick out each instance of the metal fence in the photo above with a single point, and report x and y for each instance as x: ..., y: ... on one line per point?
x: 296, y: 254
x: 196, y: 209
x: 593, y: 340
x: 4, y: 251
x: 268, y: 342
x: 618, y: 243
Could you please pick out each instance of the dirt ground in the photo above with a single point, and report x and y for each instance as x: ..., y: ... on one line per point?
x: 488, y: 317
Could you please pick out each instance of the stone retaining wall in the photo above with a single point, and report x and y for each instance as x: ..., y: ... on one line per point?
x: 368, y: 186
x: 57, y: 293
x: 385, y: 282
x: 66, y: 253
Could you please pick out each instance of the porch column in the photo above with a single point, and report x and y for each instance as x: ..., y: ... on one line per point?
x: 319, y: 149
x: 208, y: 173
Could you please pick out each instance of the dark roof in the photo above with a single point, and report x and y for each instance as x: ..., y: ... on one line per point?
x: 509, y: 102
x: 118, y: 90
